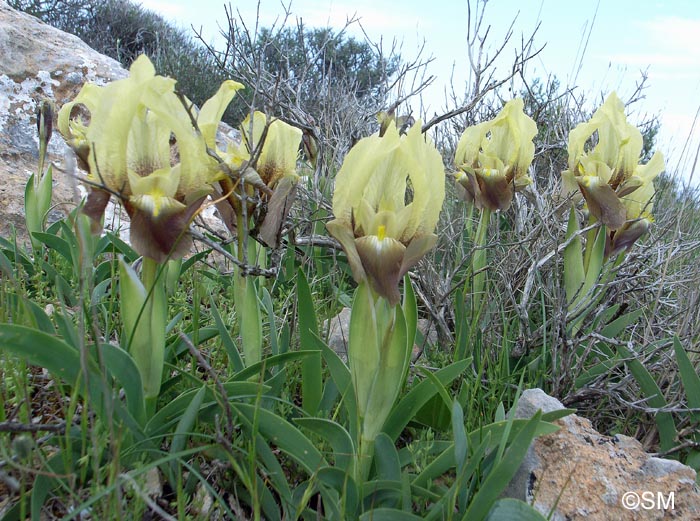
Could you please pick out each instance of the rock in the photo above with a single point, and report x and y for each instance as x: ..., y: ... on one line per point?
x: 38, y: 61
x: 339, y: 327
x: 338, y: 330
x: 577, y: 473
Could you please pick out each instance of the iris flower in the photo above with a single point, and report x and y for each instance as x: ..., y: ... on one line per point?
x: 127, y: 146
x: 274, y: 175
x: 638, y: 207
x: 608, y: 175
x: 493, y: 158
x: 387, y: 199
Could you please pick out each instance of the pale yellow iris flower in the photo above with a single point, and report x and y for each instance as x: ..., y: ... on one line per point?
x: 493, y: 158
x: 382, y: 234
x: 617, y: 189
x: 128, y: 149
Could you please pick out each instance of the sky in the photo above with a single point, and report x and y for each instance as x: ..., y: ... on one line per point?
x: 618, y: 39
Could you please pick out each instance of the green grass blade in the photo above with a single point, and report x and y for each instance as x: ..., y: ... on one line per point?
x: 654, y: 398
x: 418, y: 396
x: 311, y: 374
x: 503, y: 472
x: 284, y: 435
x: 234, y: 356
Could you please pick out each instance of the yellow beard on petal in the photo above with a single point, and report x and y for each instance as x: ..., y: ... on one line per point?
x: 381, y: 232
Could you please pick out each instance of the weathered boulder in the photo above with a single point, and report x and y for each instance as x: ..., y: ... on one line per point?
x: 38, y: 61
x: 577, y: 473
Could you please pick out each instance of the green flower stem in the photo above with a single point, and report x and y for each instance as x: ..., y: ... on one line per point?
x: 365, y: 454
x: 156, y: 312
x: 145, y: 313
x: 246, y: 299
x: 479, y: 268
x: 378, y: 356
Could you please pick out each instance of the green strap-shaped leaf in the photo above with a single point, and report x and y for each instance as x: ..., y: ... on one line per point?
x: 574, y: 274
x: 336, y: 435
x: 234, y: 357
x: 341, y: 376
x: 63, y: 361
x: 386, y: 458
x: 418, y: 396
x: 122, y: 367
x: 499, y: 477
x: 272, y: 361
x: 169, y: 414
x: 595, y: 264
x: 388, y: 514
x: 185, y: 425
x: 691, y: 384
x: 654, y: 398
x: 311, y: 374
x: 56, y: 243
x: 249, y: 320
x: 284, y: 435
x: 339, y: 479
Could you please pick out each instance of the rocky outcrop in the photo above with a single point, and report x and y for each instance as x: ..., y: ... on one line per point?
x: 577, y: 473
x: 38, y: 61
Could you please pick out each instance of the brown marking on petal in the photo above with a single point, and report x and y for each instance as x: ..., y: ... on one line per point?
x: 224, y: 200
x: 277, y: 210
x: 604, y: 204
x: 628, y: 187
x: 382, y: 265
x: 496, y: 193
x: 625, y: 237
x: 163, y: 238
x: 95, y: 206
x: 465, y: 188
x: 416, y: 250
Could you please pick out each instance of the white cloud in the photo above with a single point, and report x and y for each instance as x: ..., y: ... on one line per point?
x: 674, y: 33
x: 667, y: 42
x: 656, y: 59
